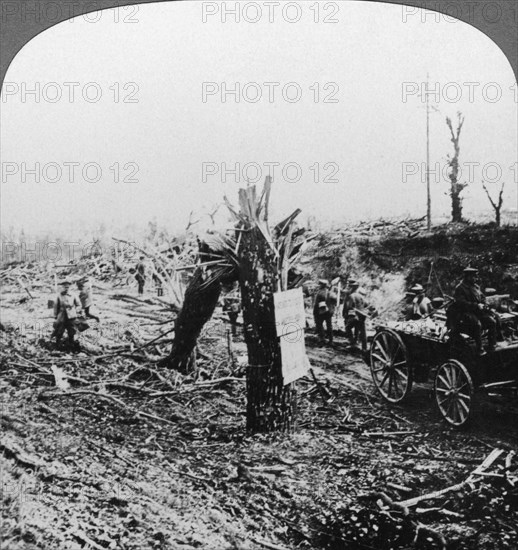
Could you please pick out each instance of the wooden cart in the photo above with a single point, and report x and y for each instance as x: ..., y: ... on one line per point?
x: 418, y: 351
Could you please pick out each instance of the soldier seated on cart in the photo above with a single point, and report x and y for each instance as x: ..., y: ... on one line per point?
x: 406, y: 307
x: 421, y: 304
x: 470, y: 313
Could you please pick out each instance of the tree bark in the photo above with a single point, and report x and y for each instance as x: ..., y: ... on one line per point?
x: 201, y: 298
x: 455, y: 187
x: 269, y: 402
x: 456, y: 205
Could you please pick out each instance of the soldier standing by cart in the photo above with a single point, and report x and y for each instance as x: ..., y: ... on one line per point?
x: 355, y: 314
x: 323, y: 310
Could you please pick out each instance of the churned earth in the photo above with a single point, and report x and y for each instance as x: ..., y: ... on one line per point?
x: 101, y: 450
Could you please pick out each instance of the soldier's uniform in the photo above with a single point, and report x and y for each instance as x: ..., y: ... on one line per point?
x: 354, y: 315
x: 470, y: 311
x: 65, y: 313
x: 232, y: 305
x: 158, y: 284
x: 140, y: 276
x: 421, y: 304
x: 85, y: 296
x: 323, y: 310
x: 406, y: 307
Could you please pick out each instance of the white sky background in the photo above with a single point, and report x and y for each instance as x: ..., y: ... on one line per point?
x: 370, y: 133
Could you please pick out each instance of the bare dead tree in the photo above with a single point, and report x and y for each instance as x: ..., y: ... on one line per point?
x: 456, y: 187
x: 191, y: 222
x: 497, y: 206
x: 213, y: 214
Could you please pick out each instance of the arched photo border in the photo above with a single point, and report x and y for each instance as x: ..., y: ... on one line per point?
x: 16, y: 32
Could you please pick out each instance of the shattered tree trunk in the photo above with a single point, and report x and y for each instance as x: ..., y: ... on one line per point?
x: 455, y: 186
x: 269, y: 403
x: 201, y: 298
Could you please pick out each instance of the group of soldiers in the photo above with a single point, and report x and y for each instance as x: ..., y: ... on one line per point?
x: 67, y: 308
x: 71, y: 310
x: 354, y: 312
x: 467, y: 311
x: 141, y: 277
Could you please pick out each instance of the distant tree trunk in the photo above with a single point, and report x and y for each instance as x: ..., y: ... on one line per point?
x: 455, y: 187
x: 497, y: 206
x: 269, y: 402
x: 201, y: 298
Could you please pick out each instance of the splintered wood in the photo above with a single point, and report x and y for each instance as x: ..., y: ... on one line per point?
x: 475, y: 476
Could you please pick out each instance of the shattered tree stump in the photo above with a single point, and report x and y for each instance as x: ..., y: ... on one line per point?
x: 270, y: 404
x: 201, y: 297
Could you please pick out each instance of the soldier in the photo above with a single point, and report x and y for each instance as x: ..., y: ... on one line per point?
x: 158, y: 284
x: 323, y: 310
x: 233, y: 311
x: 471, y: 311
x: 406, y: 308
x: 85, y: 296
x: 65, y: 313
x: 140, y: 275
x: 354, y: 313
x: 421, y: 304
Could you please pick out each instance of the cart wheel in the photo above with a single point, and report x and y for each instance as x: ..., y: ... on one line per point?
x: 390, y: 371
x: 453, y: 389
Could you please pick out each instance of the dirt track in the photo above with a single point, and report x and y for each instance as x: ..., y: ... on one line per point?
x: 85, y: 471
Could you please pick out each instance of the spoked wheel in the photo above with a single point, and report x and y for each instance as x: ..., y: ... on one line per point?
x: 453, y: 389
x: 390, y: 371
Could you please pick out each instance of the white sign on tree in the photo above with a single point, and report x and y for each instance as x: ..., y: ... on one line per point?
x: 290, y: 320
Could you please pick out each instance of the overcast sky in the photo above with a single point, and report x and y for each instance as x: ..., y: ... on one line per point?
x: 151, y: 114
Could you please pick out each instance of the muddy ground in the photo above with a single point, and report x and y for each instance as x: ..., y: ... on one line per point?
x: 130, y: 458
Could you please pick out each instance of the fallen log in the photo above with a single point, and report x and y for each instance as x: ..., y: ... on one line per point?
x: 473, y: 477
x: 108, y: 397
x: 389, y: 434
x: 418, y: 456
